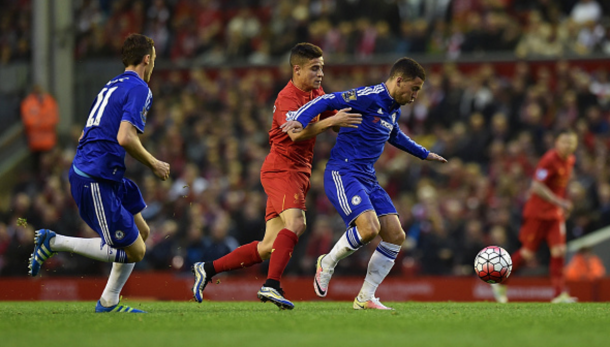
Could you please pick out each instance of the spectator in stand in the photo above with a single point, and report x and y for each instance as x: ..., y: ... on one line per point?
x: 40, y: 116
x: 585, y: 266
x: 585, y: 11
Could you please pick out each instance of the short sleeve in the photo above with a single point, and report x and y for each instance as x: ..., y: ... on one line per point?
x: 544, y: 170
x: 136, y: 107
x: 284, y: 109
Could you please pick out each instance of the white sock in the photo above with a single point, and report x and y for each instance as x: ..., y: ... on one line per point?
x: 379, y: 267
x: 350, y: 242
x: 88, y: 247
x: 117, y: 279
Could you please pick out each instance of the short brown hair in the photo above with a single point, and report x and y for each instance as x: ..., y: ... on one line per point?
x: 408, y: 68
x: 135, y: 48
x: 304, y: 52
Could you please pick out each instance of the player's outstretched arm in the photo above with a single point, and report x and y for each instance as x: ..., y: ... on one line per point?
x: 401, y: 141
x: 342, y: 119
x: 128, y: 139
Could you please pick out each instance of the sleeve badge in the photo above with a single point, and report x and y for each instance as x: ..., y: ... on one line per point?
x: 350, y: 95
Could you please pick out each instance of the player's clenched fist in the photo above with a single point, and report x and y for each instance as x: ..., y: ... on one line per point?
x: 161, y: 170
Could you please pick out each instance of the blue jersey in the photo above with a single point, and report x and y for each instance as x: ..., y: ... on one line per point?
x: 359, y: 148
x: 125, y: 98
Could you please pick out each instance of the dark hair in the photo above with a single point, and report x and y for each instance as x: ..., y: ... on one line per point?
x: 304, y: 52
x: 408, y: 68
x: 135, y: 48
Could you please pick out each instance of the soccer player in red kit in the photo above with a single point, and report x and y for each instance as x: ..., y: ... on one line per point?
x: 285, y: 178
x: 544, y: 215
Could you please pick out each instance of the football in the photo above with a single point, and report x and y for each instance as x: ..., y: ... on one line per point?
x: 493, y: 264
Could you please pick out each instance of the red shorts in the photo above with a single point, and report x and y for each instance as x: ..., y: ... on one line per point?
x: 284, y: 190
x: 534, y: 230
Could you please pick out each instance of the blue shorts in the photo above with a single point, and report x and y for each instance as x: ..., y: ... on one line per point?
x: 353, y: 193
x: 108, y: 207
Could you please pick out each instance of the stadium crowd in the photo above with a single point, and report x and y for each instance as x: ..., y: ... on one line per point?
x: 211, y: 124
x: 492, y: 124
x: 214, y: 32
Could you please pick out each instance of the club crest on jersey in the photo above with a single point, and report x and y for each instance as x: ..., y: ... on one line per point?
x: 350, y: 95
x: 356, y: 200
x: 119, y: 235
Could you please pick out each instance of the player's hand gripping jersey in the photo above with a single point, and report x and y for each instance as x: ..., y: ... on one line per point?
x: 125, y: 98
x: 553, y: 172
x: 359, y: 148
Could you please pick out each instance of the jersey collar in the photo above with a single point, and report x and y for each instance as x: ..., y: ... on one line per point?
x: 298, y: 90
x: 390, y: 99
x: 131, y: 72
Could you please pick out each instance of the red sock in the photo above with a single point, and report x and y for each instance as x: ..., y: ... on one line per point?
x: 244, y: 256
x: 517, y: 262
x: 282, y: 252
x: 517, y: 259
x: 557, y: 276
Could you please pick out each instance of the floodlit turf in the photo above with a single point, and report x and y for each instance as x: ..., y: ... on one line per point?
x: 325, y: 324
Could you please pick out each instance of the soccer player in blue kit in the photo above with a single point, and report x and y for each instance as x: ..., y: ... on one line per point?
x: 350, y: 182
x: 109, y: 203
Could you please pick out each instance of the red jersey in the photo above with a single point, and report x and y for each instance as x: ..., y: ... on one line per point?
x: 554, y: 172
x: 285, y: 154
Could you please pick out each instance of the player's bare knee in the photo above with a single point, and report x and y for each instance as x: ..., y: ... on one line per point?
x: 264, y: 250
x: 397, y: 238
x: 558, y: 251
x: 368, y: 231
x: 297, y: 226
x: 135, y: 256
x: 527, y: 254
x: 136, y: 253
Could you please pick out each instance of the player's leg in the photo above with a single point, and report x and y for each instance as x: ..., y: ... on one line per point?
x: 287, y: 193
x: 126, y: 222
x: 121, y: 271
x: 381, y: 262
x: 556, y: 239
x: 294, y: 224
x: 366, y: 227
x: 97, y: 204
x: 349, y: 196
x: 272, y: 229
x: 242, y: 257
x: 287, y: 233
x: 531, y: 233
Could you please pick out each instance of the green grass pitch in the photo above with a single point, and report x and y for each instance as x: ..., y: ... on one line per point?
x: 309, y: 324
